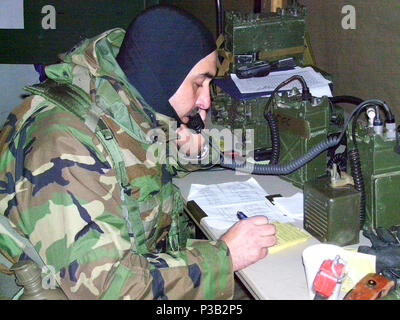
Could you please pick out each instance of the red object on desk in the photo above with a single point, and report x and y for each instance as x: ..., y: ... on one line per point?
x: 329, y: 275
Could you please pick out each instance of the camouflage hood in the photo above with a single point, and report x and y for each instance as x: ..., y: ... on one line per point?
x: 94, y: 57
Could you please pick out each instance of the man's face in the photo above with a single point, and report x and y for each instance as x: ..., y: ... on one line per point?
x: 194, y: 92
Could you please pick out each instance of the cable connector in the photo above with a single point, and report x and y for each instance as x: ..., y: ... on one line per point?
x: 306, y: 94
x: 378, y: 126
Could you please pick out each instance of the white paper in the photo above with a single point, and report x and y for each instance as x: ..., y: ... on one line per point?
x: 228, y: 193
x: 262, y: 208
x: 319, y: 92
x: 221, y: 202
x: 319, y: 86
x: 218, y: 224
x: 11, y: 14
x: 292, y: 206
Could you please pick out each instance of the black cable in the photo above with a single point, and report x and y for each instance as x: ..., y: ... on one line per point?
x: 365, y: 104
x: 343, y: 99
x: 273, y: 124
x: 389, y: 114
x: 354, y: 155
x: 275, y: 139
x: 340, y: 160
x: 281, y: 169
x: 357, y: 109
x: 306, y: 95
x: 298, y: 163
x: 354, y: 124
x: 220, y: 17
x: 346, y: 99
x: 276, y: 169
x: 355, y: 164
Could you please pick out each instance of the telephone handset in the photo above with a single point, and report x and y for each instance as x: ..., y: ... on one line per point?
x: 195, y: 121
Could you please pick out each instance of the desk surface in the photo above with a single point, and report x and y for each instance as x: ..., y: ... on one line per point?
x: 279, y: 276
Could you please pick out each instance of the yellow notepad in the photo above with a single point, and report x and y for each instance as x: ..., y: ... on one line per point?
x: 287, y: 236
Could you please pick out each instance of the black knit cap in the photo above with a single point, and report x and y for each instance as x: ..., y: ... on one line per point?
x: 160, y: 48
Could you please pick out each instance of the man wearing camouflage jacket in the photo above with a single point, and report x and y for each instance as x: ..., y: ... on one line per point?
x: 81, y: 178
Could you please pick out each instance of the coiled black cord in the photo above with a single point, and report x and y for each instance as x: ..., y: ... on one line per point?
x: 275, y: 139
x: 273, y: 123
x: 355, y: 164
x: 280, y: 169
x: 340, y: 160
x: 354, y: 156
x: 306, y: 95
x: 298, y: 163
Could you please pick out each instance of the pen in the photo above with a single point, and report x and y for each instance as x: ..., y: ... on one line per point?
x: 241, y: 215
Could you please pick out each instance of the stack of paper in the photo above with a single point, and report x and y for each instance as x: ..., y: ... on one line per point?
x: 223, y: 201
x: 318, y: 85
x: 291, y: 206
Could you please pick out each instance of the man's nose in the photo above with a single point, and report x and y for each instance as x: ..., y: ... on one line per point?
x: 204, y: 100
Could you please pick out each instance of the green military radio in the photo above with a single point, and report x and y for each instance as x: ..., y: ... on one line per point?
x: 302, y: 125
x: 264, y: 42
x: 378, y: 169
x: 251, y: 38
x: 374, y: 158
x: 239, y: 116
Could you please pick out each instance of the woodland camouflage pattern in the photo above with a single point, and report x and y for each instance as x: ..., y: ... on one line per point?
x: 59, y: 189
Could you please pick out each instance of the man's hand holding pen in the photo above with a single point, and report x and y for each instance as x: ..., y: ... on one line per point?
x: 249, y: 239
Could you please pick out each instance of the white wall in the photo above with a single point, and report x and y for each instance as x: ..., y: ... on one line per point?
x: 12, y: 79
